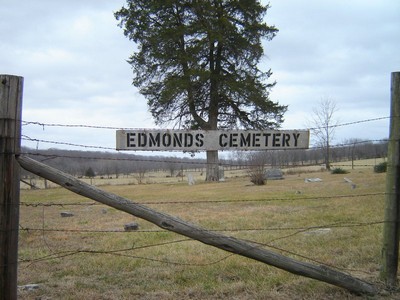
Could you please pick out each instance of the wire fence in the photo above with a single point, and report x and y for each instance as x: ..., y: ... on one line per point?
x: 46, y: 227
x: 44, y: 125
x: 294, y: 230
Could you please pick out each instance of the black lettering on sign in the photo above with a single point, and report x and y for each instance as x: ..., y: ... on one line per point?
x: 130, y: 139
x: 154, y: 140
x: 266, y: 136
x: 142, y: 139
x: 166, y: 140
x: 245, y: 141
x: 222, y: 138
x: 188, y: 140
x: 256, y: 139
x: 276, y: 138
x: 233, y: 140
x: 296, y: 138
x: 177, y: 139
x: 199, y: 140
x: 285, y: 139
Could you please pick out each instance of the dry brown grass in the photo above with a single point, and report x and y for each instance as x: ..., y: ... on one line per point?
x: 177, y: 269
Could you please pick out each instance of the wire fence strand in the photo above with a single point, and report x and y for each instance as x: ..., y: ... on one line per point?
x: 47, y: 232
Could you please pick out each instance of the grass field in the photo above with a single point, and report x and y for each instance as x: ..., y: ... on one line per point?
x: 89, y: 256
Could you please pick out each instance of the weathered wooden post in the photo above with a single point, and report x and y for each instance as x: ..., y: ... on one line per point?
x: 390, y: 249
x: 10, y: 140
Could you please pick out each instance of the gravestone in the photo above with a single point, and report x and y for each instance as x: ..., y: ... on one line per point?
x: 191, y: 180
x: 312, y: 180
x: 221, y: 174
x: 66, y: 214
x: 273, y: 174
x: 131, y: 226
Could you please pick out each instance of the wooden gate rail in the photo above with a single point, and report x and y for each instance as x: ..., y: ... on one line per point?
x: 168, y: 222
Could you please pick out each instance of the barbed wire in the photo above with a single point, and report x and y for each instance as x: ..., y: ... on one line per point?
x: 312, y: 259
x: 27, y: 138
x: 39, y: 204
x: 43, y: 125
x: 340, y: 145
x: 78, y: 251
x: 298, y: 229
x: 63, y: 254
x: 351, y: 123
x: 124, y: 252
x: 117, y: 252
x: 120, y: 252
x: 58, y: 255
x: 132, y: 159
x: 195, y: 162
x: 291, y: 228
x: 296, y: 198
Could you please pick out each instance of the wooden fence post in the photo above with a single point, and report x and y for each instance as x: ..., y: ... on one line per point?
x: 390, y: 249
x: 10, y: 139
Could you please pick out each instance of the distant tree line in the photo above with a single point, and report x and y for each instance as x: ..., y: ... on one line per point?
x: 107, y: 164
x: 350, y: 150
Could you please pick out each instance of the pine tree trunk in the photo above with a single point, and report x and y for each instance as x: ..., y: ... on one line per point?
x: 212, y: 171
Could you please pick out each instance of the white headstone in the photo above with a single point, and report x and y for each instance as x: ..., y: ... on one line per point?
x: 191, y: 180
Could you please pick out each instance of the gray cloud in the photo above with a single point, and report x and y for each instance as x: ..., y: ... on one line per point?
x: 344, y: 50
x: 73, y: 57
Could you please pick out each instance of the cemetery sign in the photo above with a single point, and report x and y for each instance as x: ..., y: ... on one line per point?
x: 202, y: 140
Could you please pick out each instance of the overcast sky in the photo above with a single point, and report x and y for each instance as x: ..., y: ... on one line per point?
x: 73, y: 55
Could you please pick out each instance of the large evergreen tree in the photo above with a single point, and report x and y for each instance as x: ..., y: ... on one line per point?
x: 196, y: 64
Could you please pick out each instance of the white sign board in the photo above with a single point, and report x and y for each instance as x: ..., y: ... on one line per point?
x: 201, y: 140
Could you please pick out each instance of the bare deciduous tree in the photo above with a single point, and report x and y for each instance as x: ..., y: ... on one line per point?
x: 141, y: 169
x: 324, y: 125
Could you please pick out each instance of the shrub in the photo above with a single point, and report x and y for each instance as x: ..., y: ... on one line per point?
x: 339, y: 171
x: 256, y: 171
x: 257, y: 178
x: 380, y: 168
